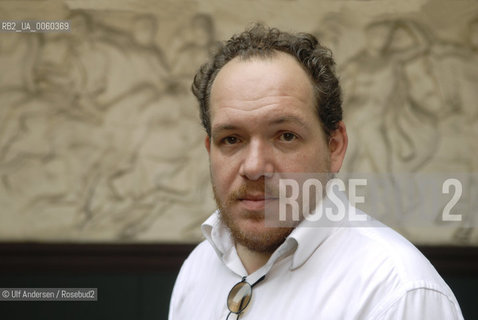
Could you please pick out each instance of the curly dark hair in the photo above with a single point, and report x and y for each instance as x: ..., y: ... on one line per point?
x: 262, y: 41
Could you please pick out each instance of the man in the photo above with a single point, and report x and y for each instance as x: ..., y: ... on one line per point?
x: 270, y: 103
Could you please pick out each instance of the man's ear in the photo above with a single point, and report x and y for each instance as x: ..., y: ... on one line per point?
x: 207, y: 144
x: 338, y: 142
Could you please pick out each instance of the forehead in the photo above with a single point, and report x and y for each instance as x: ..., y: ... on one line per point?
x: 260, y: 81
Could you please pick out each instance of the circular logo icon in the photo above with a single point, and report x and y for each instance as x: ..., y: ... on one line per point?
x: 5, y: 294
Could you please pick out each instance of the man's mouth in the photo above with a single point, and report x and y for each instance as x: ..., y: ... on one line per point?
x: 256, y: 202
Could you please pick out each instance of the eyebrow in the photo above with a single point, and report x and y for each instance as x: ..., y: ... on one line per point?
x: 286, y: 119
x: 280, y: 120
x: 224, y: 127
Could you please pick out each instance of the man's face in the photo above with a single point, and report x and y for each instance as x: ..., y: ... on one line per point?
x: 263, y: 122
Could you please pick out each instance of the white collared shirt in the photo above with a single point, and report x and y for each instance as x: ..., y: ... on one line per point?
x: 336, y: 272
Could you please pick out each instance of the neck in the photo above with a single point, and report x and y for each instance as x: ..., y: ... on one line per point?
x: 252, y: 260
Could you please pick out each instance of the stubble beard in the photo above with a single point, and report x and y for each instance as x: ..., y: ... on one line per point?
x: 265, y: 241
x: 270, y: 238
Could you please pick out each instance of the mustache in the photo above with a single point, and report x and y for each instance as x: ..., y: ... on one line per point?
x: 259, y: 187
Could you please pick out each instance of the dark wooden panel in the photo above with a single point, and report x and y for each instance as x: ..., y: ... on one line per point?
x: 111, y: 258
x: 48, y: 257
x: 453, y: 260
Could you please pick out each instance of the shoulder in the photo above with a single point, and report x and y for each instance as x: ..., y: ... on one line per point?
x: 405, y: 282
x: 383, y: 254
x: 380, y: 243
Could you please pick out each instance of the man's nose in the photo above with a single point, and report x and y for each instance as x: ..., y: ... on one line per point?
x: 258, y: 161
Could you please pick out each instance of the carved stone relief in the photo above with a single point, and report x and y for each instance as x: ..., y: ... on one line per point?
x: 99, y: 134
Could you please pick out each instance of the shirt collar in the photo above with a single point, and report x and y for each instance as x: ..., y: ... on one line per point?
x: 302, y: 242
x: 217, y: 234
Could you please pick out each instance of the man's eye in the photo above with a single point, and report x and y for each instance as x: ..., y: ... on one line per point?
x: 288, y: 136
x: 230, y: 140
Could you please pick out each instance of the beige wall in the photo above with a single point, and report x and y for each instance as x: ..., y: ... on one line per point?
x: 99, y: 135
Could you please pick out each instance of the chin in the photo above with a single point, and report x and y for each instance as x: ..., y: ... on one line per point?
x: 248, y: 228
x: 266, y: 242
x: 252, y: 234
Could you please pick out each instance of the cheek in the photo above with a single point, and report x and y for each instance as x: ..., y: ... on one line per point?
x: 222, y: 172
x: 299, y: 163
x: 312, y: 159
